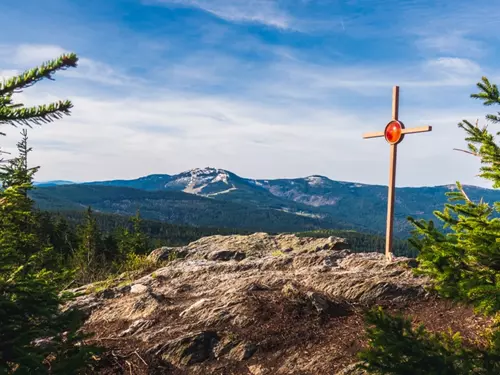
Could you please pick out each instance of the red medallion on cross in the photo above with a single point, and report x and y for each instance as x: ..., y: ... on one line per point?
x: 394, y: 132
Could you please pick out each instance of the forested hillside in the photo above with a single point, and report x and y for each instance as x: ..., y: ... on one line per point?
x: 178, y: 208
x: 219, y: 198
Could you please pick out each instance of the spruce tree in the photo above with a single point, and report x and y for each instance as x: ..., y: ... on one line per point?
x: 88, y: 259
x: 36, y: 337
x: 463, y: 262
x: 140, y: 242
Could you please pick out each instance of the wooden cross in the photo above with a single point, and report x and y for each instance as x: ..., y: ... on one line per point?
x: 394, y: 133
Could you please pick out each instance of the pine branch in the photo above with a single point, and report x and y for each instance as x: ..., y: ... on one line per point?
x: 467, y: 152
x: 488, y: 93
x: 35, y: 115
x: 32, y: 76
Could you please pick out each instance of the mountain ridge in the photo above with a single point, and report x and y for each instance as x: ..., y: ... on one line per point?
x: 274, y: 203
x: 166, y: 175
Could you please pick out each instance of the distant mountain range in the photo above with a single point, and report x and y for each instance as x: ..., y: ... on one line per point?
x: 53, y: 183
x: 216, y: 197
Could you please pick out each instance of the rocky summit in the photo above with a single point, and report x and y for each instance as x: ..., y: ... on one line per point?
x: 255, y: 305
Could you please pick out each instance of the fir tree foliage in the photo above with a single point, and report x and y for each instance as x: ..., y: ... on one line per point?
x: 465, y: 262
x: 89, y: 257
x: 135, y: 240
x: 36, y: 337
x: 15, y: 113
x: 396, y: 347
x: 462, y: 258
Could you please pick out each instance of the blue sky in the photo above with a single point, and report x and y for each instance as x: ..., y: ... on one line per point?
x: 264, y: 88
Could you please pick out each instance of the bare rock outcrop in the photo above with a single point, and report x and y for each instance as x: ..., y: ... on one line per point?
x: 257, y: 304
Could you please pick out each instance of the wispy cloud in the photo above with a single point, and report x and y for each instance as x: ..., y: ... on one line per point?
x: 455, y: 66
x: 451, y: 42
x: 25, y: 56
x: 267, y: 12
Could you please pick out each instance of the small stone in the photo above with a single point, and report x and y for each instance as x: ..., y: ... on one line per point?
x: 320, y: 303
x: 193, y: 307
x: 138, y: 289
x: 190, y: 349
x: 225, y: 255
x: 123, y: 289
x: 225, y: 346
x: 136, y: 327
x: 257, y: 370
x: 106, y: 294
x: 353, y: 370
x: 166, y: 253
x: 243, y: 351
x: 256, y: 287
x: 338, y: 243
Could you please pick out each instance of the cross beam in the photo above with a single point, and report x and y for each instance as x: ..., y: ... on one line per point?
x: 421, y: 129
x: 394, y: 134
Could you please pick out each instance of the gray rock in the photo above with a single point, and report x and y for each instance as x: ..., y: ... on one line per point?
x: 106, y: 294
x: 243, y: 351
x: 225, y: 346
x: 189, y: 349
x: 138, y: 289
x: 167, y: 253
x: 243, y: 297
x: 123, y: 289
x: 137, y: 327
x: 337, y: 243
x: 226, y: 255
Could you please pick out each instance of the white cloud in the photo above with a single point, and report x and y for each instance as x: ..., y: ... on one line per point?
x: 267, y: 12
x: 26, y: 56
x: 34, y: 54
x: 451, y: 42
x: 109, y: 138
x: 455, y: 65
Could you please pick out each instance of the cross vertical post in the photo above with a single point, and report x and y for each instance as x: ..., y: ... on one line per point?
x: 392, y: 179
x: 394, y: 133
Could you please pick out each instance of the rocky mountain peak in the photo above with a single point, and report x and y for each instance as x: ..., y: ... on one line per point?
x: 316, y: 180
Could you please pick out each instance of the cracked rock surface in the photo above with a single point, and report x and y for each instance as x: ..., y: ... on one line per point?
x: 257, y: 304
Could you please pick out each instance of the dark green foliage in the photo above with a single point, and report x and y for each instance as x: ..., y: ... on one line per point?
x: 462, y: 258
x: 173, y: 207
x: 36, y: 337
x: 135, y: 240
x: 157, y: 232
x: 96, y: 245
x: 465, y: 262
x: 365, y: 242
x: 89, y: 258
x: 397, y: 348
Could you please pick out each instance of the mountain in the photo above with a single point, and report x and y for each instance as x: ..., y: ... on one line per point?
x: 150, y: 183
x: 345, y: 204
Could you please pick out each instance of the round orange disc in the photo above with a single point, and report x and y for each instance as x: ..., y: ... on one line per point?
x: 393, y: 132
